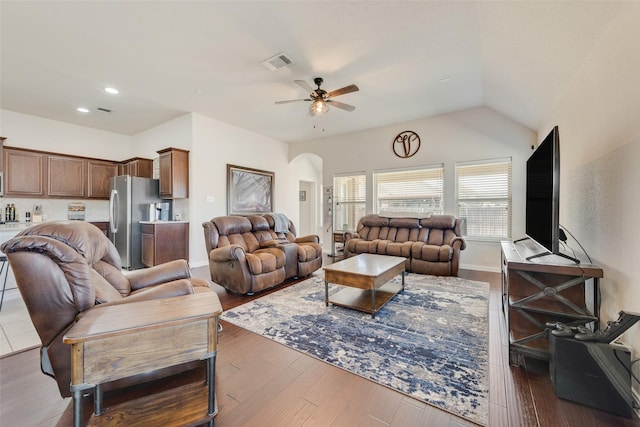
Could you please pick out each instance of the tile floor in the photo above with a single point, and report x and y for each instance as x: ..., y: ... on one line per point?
x: 16, y: 330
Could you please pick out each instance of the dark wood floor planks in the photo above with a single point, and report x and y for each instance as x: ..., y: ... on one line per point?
x: 262, y: 383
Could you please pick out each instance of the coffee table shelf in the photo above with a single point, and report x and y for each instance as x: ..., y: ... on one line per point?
x: 366, y: 278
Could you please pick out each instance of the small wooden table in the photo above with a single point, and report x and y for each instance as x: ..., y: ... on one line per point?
x: 119, y: 341
x: 366, y: 277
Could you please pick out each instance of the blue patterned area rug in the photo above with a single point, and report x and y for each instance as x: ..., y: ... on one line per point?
x: 430, y: 342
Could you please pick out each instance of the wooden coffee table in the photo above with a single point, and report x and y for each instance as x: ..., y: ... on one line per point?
x: 366, y: 278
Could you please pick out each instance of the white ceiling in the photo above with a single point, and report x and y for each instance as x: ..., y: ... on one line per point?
x: 169, y: 58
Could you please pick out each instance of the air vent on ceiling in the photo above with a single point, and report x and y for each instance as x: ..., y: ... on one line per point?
x: 104, y: 110
x: 277, y: 62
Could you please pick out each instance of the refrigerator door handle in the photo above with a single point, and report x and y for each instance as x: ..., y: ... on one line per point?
x: 113, y: 206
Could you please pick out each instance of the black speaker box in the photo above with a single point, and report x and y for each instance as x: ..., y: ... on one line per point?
x: 592, y: 373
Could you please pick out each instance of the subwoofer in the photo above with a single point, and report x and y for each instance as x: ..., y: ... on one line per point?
x: 592, y: 373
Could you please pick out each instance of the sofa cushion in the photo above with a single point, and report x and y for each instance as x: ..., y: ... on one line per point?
x: 232, y: 225
x: 387, y: 247
x: 439, y: 221
x: 308, y: 251
x: 373, y: 220
x: 434, y: 253
x: 265, y: 260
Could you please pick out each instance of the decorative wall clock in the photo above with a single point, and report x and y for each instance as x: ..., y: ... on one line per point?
x: 406, y: 144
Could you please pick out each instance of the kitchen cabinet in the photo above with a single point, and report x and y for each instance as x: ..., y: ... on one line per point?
x: 174, y: 173
x: 66, y: 176
x: 543, y: 290
x: 103, y: 226
x: 136, y: 166
x: 99, y: 172
x: 164, y: 241
x: 24, y: 173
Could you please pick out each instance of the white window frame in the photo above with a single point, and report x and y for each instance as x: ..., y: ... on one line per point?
x: 423, y: 185
x: 493, y: 188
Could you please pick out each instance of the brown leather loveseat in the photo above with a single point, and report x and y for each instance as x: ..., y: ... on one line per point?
x: 431, y: 245
x: 248, y: 255
x: 65, y: 268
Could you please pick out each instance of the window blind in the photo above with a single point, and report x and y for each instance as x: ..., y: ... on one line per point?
x: 350, y: 198
x: 483, y: 197
x: 410, y: 190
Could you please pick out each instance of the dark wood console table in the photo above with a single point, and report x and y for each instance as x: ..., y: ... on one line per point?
x: 541, y: 290
x: 119, y: 341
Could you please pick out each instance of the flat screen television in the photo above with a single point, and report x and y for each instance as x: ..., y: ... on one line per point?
x: 543, y: 196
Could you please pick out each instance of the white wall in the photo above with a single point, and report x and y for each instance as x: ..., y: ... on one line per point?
x: 216, y: 144
x: 474, y: 134
x: 37, y: 133
x: 598, y: 119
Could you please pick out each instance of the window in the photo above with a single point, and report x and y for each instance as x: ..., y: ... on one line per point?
x: 350, y: 196
x: 483, y: 198
x: 415, y: 190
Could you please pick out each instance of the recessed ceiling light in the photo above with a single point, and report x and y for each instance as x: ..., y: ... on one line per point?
x: 111, y: 90
x: 82, y: 110
x: 445, y: 79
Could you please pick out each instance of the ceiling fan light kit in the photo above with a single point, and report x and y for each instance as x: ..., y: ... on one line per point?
x: 321, y: 99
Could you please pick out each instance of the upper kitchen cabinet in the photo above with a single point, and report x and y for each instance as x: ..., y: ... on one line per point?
x: 99, y: 174
x: 174, y: 173
x: 136, y: 166
x: 66, y: 176
x: 24, y: 173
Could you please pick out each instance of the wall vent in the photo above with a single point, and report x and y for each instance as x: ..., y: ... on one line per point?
x: 278, y: 62
x: 104, y: 110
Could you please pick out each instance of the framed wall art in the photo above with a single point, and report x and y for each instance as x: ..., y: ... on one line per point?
x: 249, y: 191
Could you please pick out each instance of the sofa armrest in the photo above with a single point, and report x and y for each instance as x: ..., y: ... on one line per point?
x: 165, y: 290
x: 350, y: 235
x: 310, y: 238
x: 167, y: 272
x: 458, y: 243
x: 273, y: 243
x: 227, y: 253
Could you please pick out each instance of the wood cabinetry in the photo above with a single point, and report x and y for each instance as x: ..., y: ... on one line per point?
x: 136, y: 166
x: 103, y: 226
x: 99, y: 172
x: 39, y: 174
x: 66, y: 176
x: 164, y: 241
x: 24, y: 173
x: 543, y: 290
x: 174, y: 173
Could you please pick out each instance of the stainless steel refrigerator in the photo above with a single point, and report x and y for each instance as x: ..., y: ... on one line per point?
x: 129, y: 202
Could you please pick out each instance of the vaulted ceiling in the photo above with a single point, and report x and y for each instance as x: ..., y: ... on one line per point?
x: 409, y: 59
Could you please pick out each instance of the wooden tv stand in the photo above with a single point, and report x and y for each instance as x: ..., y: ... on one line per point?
x: 540, y: 290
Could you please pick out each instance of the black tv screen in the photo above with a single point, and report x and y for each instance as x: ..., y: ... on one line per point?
x: 543, y: 193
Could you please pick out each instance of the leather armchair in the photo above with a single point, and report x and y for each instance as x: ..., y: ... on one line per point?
x: 242, y: 257
x: 65, y: 268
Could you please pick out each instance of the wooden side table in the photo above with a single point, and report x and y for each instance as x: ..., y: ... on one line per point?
x: 119, y: 341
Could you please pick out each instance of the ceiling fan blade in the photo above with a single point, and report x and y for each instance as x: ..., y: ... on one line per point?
x: 304, y: 85
x: 341, y: 105
x: 342, y: 91
x: 292, y: 100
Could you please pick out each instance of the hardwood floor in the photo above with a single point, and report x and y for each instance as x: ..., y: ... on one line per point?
x: 262, y: 383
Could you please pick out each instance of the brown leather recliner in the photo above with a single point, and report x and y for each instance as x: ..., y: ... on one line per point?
x: 246, y: 254
x: 243, y: 257
x: 64, y: 268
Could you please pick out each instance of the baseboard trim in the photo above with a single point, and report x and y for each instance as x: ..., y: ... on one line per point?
x: 480, y: 268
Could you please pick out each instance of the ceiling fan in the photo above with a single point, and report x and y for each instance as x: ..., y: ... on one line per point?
x: 321, y: 99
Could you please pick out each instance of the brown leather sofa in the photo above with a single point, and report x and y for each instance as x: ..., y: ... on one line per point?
x: 430, y: 245
x: 247, y: 255
x: 65, y: 268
